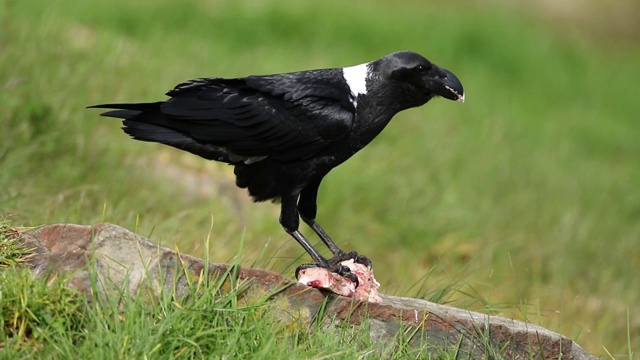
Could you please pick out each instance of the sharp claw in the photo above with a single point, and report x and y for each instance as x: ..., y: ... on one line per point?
x: 361, y: 259
x: 351, y: 276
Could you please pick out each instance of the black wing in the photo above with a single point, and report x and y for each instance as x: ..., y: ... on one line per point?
x: 286, y: 117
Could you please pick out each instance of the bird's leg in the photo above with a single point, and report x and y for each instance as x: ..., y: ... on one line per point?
x: 338, y: 254
x: 335, y: 250
x: 290, y: 221
x: 307, y: 205
x: 308, y: 208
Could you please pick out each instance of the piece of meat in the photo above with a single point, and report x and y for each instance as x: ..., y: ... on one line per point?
x: 367, y: 289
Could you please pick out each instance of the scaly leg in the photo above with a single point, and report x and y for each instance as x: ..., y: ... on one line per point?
x: 290, y: 221
x: 308, y: 208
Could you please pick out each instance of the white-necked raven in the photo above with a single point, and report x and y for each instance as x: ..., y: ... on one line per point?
x: 283, y: 133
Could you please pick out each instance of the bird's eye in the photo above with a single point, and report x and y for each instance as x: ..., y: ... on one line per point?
x: 421, y: 69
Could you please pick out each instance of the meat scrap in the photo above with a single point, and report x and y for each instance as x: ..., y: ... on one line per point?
x: 367, y: 289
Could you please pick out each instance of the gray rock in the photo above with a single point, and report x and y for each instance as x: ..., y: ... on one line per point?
x: 123, y: 258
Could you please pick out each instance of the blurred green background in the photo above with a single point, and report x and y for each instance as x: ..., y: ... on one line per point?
x: 524, y: 201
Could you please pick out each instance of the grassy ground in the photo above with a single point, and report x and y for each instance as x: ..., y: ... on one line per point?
x: 525, y: 199
x: 44, y: 318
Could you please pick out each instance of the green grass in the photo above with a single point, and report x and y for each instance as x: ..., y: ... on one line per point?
x: 43, y: 318
x: 525, y: 199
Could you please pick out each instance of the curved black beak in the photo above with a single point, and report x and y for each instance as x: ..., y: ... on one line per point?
x: 449, y: 87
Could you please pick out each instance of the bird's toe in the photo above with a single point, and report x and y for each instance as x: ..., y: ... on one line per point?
x: 346, y: 273
x: 360, y: 259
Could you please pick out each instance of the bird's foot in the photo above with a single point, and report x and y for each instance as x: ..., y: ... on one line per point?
x: 343, y: 256
x: 337, y: 268
x: 345, y: 274
x: 335, y: 265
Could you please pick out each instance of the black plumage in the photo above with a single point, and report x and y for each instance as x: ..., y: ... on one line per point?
x: 283, y: 133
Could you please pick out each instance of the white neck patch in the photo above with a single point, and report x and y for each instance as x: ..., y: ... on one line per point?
x: 356, y: 77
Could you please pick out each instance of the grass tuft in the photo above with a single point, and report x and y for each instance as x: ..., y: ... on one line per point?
x: 13, y: 253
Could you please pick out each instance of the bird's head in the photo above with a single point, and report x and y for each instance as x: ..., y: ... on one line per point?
x: 415, y: 79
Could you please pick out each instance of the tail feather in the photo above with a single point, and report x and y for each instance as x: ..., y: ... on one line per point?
x: 155, y: 106
x: 121, y: 114
x: 145, y: 122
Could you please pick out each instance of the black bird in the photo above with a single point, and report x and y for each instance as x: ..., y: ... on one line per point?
x: 283, y: 133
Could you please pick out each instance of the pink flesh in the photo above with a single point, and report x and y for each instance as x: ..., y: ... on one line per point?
x: 367, y: 289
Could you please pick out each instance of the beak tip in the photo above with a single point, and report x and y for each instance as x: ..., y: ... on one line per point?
x: 454, y: 94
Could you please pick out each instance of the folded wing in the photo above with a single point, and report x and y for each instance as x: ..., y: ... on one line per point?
x: 286, y: 117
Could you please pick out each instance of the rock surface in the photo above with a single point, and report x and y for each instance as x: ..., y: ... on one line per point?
x: 123, y: 258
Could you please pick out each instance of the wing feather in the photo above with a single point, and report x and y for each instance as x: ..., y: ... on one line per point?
x: 286, y: 117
